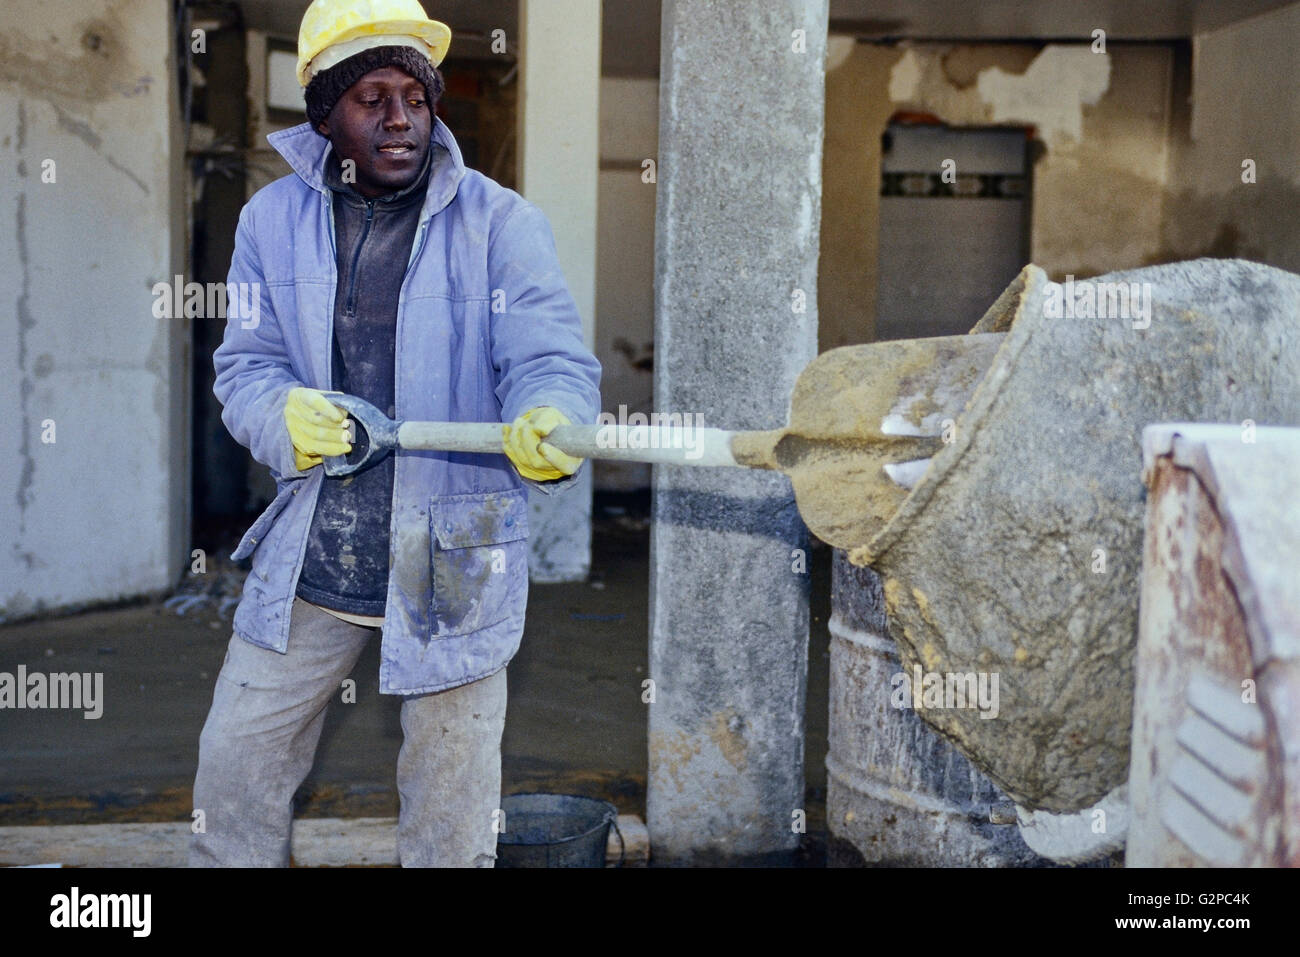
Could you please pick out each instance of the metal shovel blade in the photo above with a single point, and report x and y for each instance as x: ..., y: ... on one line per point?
x: 864, y: 422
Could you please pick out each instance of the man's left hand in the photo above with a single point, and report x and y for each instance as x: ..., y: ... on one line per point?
x: 534, y: 458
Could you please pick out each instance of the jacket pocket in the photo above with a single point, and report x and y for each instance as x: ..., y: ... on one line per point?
x: 257, y: 532
x: 480, y: 560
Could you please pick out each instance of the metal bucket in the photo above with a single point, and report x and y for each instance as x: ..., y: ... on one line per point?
x: 1019, y: 553
x: 556, y: 830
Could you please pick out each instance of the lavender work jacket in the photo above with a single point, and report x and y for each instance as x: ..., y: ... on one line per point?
x: 486, y: 330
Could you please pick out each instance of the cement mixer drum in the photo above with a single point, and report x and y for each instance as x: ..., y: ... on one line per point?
x: 1018, y: 554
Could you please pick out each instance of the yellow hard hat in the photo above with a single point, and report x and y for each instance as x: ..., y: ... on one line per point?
x: 351, y: 26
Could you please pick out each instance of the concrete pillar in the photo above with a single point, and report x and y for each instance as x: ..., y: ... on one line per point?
x: 739, y: 207
x: 94, y: 385
x: 559, y: 168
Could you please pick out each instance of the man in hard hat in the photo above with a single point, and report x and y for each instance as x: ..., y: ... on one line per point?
x: 390, y: 271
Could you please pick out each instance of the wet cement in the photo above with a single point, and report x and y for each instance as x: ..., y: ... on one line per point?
x: 575, y: 721
x: 855, y: 410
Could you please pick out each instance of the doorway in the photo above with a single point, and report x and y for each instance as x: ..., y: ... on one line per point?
x: 954, y: 225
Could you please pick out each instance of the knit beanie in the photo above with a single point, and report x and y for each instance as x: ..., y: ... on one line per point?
x: 328, y: 86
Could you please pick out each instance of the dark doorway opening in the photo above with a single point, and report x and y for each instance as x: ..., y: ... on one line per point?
x: 954, y: 225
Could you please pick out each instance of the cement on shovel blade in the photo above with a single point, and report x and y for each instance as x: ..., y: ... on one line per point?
x: 864, y: 422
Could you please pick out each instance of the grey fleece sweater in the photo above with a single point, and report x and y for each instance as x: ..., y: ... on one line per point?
x: 346, y: 562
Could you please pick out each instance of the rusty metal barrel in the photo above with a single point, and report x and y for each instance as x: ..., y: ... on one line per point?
x: 1018, y: 554
x: 897, y: 792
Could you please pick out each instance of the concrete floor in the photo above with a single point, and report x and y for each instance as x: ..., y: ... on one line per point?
x: 575, y: 722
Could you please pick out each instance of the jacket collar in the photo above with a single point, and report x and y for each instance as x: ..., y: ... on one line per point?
x: 407, y: 196
x: 305, y: 151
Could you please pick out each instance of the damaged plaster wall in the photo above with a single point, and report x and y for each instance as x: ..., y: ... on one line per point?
x: 101, y: 512
x: 1244, y: 105
x: 1101, y: 121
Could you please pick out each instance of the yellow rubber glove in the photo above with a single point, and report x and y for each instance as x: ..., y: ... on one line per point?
x: 316, y: 427
x: 534, y: 458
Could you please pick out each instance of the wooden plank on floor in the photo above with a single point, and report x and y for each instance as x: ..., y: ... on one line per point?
x: 637, y: 838
x: 96, y: 845
x: 317, y: 842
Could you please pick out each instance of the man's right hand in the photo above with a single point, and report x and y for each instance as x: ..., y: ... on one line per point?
x: 316, y: 427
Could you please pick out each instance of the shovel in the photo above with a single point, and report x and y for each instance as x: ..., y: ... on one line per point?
x: 864, y: 422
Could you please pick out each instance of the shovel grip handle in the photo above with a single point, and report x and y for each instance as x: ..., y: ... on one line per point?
x: 664, y: 445
x: 656, y: 444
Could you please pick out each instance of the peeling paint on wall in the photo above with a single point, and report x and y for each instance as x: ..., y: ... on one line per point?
x: 1051, y: 94
x: 905, y: 78
x: 837, y: 51
x: 963, y: 65
x: 85, y: 61
x: 1098, y: 182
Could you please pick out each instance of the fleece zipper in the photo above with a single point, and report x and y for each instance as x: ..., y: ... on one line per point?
x: 351, y: 301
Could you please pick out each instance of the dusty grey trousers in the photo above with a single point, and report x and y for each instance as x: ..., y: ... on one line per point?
x: 260, y: 738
